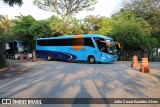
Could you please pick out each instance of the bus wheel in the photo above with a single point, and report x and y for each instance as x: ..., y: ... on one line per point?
x: 49, y: 57
x: 91, y: 59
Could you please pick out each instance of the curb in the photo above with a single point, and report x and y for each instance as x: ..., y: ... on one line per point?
x: 6, y: 68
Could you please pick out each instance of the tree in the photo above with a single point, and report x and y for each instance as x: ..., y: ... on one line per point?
x: 61, y: 27
x: 65, y: 8
x: 2, y: 47
x: 40, y: 29
x: 98, y: 24
x: 6, y: 24
x: 149, y: 10
x: 58, y: 26
x: 90, y: 23
x: 13, y: 2
x: 105, y: 26
x: 134, y: 34
x: 1, y: 17
x: 2, y: 35
x: 75, y: 26
x: 22, y: 29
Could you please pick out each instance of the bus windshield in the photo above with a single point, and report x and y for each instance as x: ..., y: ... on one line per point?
x: 22, y: 46
x: 112, y: 47
x: 106, y: 46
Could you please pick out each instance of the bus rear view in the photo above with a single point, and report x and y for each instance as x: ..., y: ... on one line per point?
x: 90, y: 47
x: 14, y: 48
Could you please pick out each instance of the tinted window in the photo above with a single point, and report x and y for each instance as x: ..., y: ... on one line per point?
x: 102, y: 46
x: 66, y: 42
x: 88, y: 42
x: 54, y: 42
x: 43, y: 42
x: 77, y: 41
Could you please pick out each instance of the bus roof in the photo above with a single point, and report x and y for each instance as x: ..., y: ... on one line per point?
x: 84, y: 35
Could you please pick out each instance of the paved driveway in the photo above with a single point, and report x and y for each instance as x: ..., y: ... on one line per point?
x: 51, y: 79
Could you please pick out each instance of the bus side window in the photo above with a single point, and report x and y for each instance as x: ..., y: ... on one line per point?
x: 51, y: 42
x: 67, y: 42
x: 77, y: 41
x: 40, y: 42
x: 88, y: 42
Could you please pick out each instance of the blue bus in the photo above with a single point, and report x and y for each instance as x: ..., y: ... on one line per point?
x: 88, y: 47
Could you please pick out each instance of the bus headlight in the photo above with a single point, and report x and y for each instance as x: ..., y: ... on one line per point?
x: 109, y: 56
x: 103, y: 58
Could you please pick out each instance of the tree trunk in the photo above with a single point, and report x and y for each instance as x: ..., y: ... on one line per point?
x: 3, y: 60
x: 157, y: 54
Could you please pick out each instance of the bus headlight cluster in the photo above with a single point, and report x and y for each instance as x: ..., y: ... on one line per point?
x: 109, y: 56
x: 103, y: 57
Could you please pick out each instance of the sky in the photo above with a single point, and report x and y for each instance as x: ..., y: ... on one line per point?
x: 102, y: 8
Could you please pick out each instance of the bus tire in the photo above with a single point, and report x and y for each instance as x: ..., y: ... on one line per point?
x: 49, y: 57
x: 91, y: 59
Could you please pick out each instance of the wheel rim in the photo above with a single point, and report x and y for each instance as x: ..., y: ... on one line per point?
x: 91, y: 60
x: 49, y: 57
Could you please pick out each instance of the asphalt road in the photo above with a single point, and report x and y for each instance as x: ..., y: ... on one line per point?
x: 52, y: 79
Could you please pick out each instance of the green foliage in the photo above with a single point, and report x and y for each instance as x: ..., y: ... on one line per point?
x: 98, y: 25
x: 90, y: 24
x: 105, y: 26
x: 149, y: 10
x: 22, y: 28
x: 5, y: 28
x: 75, y: 26
x: 13, y: 2
x: 1, y: 17
x: 133, y: 33
x: 61, y: 27
x: 58, y: 26
x: 2, y: 35
x: 40, y: 29
x: 22, y: 25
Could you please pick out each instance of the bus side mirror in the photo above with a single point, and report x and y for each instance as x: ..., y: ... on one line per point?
x: 118, y: 46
